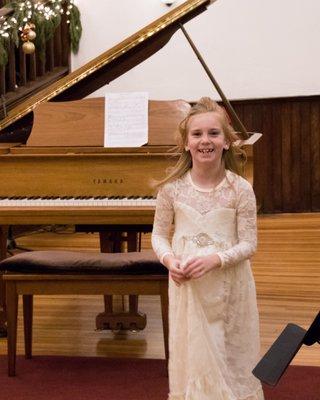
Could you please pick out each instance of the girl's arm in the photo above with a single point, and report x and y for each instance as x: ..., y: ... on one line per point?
x: 161, y: 234
x: 246, y: 228
x: 162, y: 224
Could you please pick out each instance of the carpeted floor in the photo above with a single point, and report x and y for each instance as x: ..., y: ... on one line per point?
x: 84, y: 378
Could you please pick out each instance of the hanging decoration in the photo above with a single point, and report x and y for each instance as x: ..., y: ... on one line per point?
x: 34, y: 23
x: 27, y: 35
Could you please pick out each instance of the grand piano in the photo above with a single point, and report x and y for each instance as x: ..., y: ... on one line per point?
x: 58, y: 177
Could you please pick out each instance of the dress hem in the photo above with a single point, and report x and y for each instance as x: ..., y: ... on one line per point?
x: 204, y: 387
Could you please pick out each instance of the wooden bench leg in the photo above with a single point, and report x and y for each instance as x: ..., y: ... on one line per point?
x: 3, y: 317
x: 27, y: 322
x: 165, y: 318
x: 3, y: 255
x: 12, y: 316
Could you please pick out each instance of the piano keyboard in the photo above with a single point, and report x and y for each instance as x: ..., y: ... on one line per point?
x: 81, y: 201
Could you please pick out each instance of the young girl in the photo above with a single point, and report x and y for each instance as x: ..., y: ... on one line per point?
x: 214, y: 333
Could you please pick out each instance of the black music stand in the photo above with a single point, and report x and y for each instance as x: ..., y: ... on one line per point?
x: 274, y: 363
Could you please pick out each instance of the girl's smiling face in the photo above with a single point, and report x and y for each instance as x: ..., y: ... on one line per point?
x: 206, y: 139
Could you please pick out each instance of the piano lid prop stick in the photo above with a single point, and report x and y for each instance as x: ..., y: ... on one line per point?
x: 233, y: 115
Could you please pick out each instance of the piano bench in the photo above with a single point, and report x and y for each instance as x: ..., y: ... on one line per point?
x: 67, y: 272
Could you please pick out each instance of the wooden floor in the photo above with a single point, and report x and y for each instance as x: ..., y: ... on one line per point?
x: 286, y: 269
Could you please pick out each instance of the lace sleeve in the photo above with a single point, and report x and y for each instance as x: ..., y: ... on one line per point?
x: 246, y: 227
x: 163, y: 220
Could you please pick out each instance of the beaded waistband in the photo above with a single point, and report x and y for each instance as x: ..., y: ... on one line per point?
x: 204, y: 240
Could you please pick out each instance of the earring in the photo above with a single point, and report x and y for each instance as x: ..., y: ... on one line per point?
x: 226, y: 147
x: 186, y: 148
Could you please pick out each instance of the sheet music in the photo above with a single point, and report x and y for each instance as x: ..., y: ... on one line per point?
x: 126, y: 119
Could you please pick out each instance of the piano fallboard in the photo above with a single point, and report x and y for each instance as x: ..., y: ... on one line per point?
x: 91, y: 174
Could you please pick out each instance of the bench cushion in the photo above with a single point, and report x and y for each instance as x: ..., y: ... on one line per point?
x: 73, y: 262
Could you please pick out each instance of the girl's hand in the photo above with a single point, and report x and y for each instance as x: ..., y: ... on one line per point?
x: 198, y: 266
x: 174, y: 266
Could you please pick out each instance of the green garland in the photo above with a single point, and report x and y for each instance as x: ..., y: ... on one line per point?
x: 75, y: 29
x: 46, y: 17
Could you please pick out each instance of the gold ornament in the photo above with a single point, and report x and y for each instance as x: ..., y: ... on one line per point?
x: 28, y: 47
x: 28, y: 34
x: 31, y: 35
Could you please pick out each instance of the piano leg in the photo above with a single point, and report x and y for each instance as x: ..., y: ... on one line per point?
x: 110, y: 243
x: 132, y: 245
x: 3, y: 254
x: 132, y: 319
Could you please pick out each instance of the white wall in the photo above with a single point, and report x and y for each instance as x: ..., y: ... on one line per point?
x: 254, y: 48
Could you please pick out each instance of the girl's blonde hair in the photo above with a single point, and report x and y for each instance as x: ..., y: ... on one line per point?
x: 234, y: 157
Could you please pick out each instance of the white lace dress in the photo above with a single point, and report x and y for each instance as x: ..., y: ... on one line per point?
x: 214, y: 331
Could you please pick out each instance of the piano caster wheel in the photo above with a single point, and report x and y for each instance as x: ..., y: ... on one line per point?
x: 121, y: 322
x: 134, y: 329
x: 117, y: 329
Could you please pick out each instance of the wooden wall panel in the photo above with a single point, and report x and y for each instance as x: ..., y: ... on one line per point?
x: 315, y: 155
x: 305, y: 161
x: 286, y: 160
x: 287, y: 157
x: 276, y: 169
x: 295, y: 156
